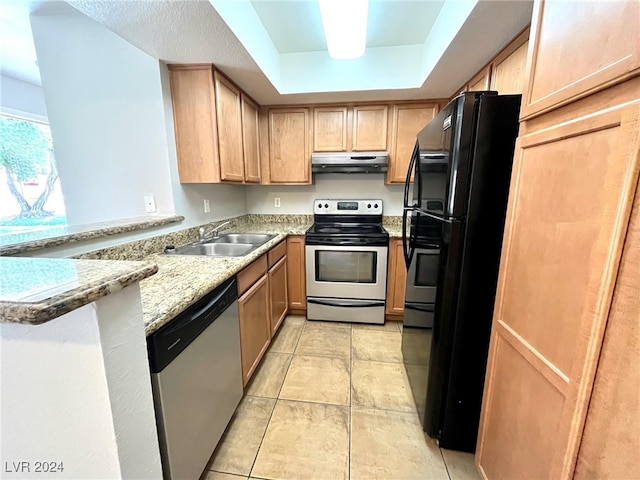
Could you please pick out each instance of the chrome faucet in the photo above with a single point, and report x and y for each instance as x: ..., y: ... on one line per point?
x: 214, y: 232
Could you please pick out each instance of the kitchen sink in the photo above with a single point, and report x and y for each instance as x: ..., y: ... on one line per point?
x: 252, y: 238
x: 216, y: 249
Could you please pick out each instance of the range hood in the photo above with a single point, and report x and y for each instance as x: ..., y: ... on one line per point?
x: 350, y: 162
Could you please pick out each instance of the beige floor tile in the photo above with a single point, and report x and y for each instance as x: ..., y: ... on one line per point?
x: 287, y: 337
x: 460, y: 465
x: 305, y: 441
x: 377, y: 346
x: 311, y: 324
x: 268, y: 378
x: 295, y: 319
x: 325, y: 340
x: 223, y: 476
x: 381, y: 385
x: 238, y: 448
x: 390, y: 445
x: 317, y: 379
x: 388, y: 326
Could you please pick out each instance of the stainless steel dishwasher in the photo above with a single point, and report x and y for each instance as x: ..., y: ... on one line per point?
x: 196, y: 374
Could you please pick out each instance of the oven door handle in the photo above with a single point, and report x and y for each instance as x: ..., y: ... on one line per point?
x: 346, y: 303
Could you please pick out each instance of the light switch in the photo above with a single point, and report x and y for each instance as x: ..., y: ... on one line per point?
x: 207, y: 205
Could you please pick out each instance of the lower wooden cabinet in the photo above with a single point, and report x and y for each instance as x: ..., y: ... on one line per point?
x: 255, y: 328
x: 396, y: 278
x: 278, y: 294
x: 296, y: 280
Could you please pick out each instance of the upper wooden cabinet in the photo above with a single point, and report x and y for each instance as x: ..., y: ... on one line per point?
x: 214, y: 124
x: 370, y: 127
x: 330, y: 129
x: 480, y: 81
x: 229, y: 116
x: 569, y: 40
x: 289, y: 155
x: 250, y: 140
x: 406, y: 121
x: 507, y: 73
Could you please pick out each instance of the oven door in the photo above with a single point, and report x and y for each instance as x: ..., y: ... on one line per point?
x: 346, y: 271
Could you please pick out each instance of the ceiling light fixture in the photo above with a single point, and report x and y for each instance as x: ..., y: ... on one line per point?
x: 345, y: 27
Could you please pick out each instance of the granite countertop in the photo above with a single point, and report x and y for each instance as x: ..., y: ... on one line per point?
x: 184, y: 279
x: 36, y: 290
x: 14, y: 243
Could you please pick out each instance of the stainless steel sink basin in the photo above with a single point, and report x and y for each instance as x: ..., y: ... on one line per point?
x: 216, y: 249
x: 252, y: 238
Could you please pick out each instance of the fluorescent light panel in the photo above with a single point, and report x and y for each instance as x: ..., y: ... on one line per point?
x: 345, y: 27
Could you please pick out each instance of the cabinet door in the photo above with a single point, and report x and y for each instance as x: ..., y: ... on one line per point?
x: 194, y: 119
x: 289, y: 156
x: 480, y: 81
x: 396, y: 278
x: 229, y: 113
x: 370, y: 127
x: 507, y: 75
x: 569, y: 206
x: 330, y: 129
x: 278, y: 293
x: 407, y: 121
x: 570, y: 59
x: 296, y: 277
x: 250, y: 141
x: 255, y: 328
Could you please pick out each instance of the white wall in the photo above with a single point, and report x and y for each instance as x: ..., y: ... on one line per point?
x: 104, y: 101
x: 22, y: 99
x: 60, y: 404
x: 299, y: 199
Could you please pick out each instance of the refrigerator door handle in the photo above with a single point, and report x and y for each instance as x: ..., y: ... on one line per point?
x: 405, y: 240
x: 407, y: 181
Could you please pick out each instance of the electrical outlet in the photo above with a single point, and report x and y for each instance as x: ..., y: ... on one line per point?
x: 277, y: 202
x: 207, y: 205
x: 150, y: 203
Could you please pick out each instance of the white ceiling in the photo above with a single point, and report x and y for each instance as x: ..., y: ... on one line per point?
x: 17, y: 52
x: 296, y: 27
x: 193, y: 31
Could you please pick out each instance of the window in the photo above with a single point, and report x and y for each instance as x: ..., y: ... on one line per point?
x: 30, y: 193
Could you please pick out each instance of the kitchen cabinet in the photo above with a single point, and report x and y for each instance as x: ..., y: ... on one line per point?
x: 254, y: 310
x: 330, y: 129
x: 230, y: 141
x: 396, y: 279
x: 278, y: 294
x: 603, y: 35
x: 216, y: 127
x: 296, y: 273
x: 481, y: 80
x: 289, y: 140
x: 507, y: 73
x: 370, y: 127
x: 250, y: 140
x: 406, y: 121
x: 563, y: 302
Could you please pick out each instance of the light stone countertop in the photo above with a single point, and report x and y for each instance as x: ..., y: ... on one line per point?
x: 14, y: 243
x: 184, y: 279
x: 36, y: 290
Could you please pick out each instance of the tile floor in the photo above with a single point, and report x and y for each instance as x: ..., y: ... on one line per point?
x: 332, y: 401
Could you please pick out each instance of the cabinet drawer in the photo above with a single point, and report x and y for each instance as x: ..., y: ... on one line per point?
x: 276, y: 253
x: 253, y: 272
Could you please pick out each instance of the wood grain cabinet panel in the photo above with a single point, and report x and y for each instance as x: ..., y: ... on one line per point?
x: 229, y: 115
x: 578, y: 49
x: 508, y: 73
x: 278, y: 294
x: 406, y: 121
x: 194, y: 116
x: 296, y: 277
x: 255, y: 327
x: 370, y: 127
x: 396, y: 278
x: 250, y: 140
x: 330, y: 129
x: 569, y: 206
x: 611, y: 438
x: 289, y: 155
x: 480, y: 81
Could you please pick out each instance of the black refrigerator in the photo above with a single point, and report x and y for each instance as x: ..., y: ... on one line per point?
x: 455, y: 202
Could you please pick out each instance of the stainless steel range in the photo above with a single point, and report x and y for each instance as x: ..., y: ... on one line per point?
x: 346, y: 259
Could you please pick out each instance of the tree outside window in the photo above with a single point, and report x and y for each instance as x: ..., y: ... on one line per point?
x: 31, y: 194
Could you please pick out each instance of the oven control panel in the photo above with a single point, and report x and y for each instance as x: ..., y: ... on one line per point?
x: 347, y: 207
